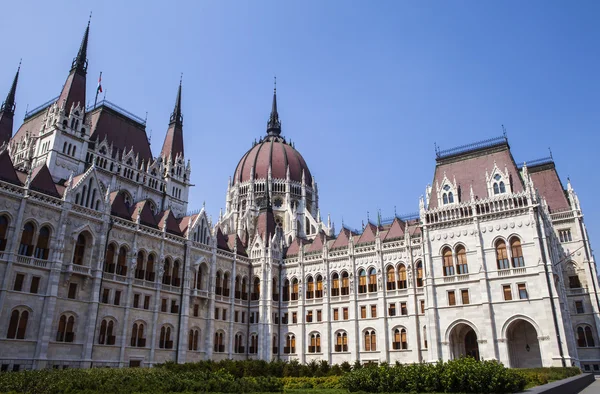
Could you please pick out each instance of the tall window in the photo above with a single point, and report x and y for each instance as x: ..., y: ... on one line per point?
x: 41, y: 249
x: 253, y: 348
x: 424, y: 337
x: 26, y: 246
x: 256, y: 288
x: 244, y: 288
x: 335, y: 284
x: 501, y: 255
x: 585, y: 337
x: 193, y: 339
x: 517, y: 253
x: 319, y: 290
x: 226, y: 284
x: 79, y: 250
x: 106, y: 336
x: 66, y: 327
x: 109, y: 259
x: 419, y: 274
x: 122, y: 262
x: 402, y: 277
x: 399, y: 342
x: 218, y: 284
x: 341, y: 342
x: 150, y: 268
x: 362, y: 281
x: 165, y: 341
x: 370, y: 341
x: 238, y: 343
x: 237, y: 290
x: 175, y: 281
x: 275, y: 289
x: 294, y: 289
x: 448, y: 265
x: 219, y: 345
x: 139, y: 266
x: 166, y: 280
x: 3, y: 232
x: 275, y: 345
x: 461, y: 260
x: 390, y: 278
x: 372, y: 280
x: 286, y: 290
x: 137, y: 335
x: 290, y: 344
x: 315, y: 343
x: 310, y: 288
x: 17, y: 325
x: 345, y: 283
x: 499, y: 186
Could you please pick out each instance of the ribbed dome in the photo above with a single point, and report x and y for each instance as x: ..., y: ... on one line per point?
x: 277, y: 153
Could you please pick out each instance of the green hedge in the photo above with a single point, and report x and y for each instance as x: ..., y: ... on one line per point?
x: 539, y: 376
x: 465, y: 375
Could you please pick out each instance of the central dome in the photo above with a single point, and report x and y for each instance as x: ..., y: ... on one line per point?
x: 275, y: 152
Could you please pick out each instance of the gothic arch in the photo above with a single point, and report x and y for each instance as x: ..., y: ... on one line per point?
x: 514, y: 318
x: 459, y: 322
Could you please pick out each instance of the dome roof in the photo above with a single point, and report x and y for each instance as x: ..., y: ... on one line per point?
x: 273, y: 151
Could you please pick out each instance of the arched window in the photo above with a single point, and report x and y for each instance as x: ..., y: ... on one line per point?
x: 390, y: 278
x: 139, y: 266
x: 585, y: 337
x: 517, y: 253
x: 122, y: 262
x: 286, y: 290
x: 290, y: 344
x: 193, y: 339
x: 461, y: 260
x: 294, y: 289
x: 175, y: 281
x: 238, y: 343
x: 424, y: 337
x: 315, y: 343
x: 399, y: 339
x: 275, y: 345
x: 319, y: 290
x: 341, y: 342
x: 219, y: 346
x: 137, y: 335
x: 402, y: 283
x: 3, y: 232
x: 310, y: 288
x: 253, y: 348
x: 362, y: 281
x: 256, y: 289
x: 150, y: 268
x: 65, y: 332
x: 244, y: 288
x: 419, y: 274
x: 166, y: 280
x: 275, y: 289
x: 41, y: 249
x: 109, y: 259
x: 450, y: 198
x: 448, y: 266
x: 370, y: 341
x: 502, y: 187
x: 200, y: 274
x: 501, y: 255
x: 496, y: 188
x: 17, y: 325
x: 445, y: 199
x: 106, y: 336
x: 79, y: 250
x: 335, y: 284
x: 372, y: 280
x: 345, y: 283
x: 165, y: 341
x: 218, y: 283
x: 26, y: 246
x: 237, y: 290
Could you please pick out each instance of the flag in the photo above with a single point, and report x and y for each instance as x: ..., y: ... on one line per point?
x: 99, y: 89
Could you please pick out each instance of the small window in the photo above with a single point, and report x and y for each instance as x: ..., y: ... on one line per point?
x: 19, y: 279
x: 336, y: 314
x: 117, y: 299
x: 392, y: 309
x: 147, y: 302
x: 136, y: 300
x: 565, y: 235
x: 105, y: 295
x: 465, y: 297
x: 373, y: 310
x: 579, y: 306
x: 35, y: 285
x: 574, y: 282
x: 422, y: 307
x: 345, y: 310
x: 451, y: 298
x: 507, y: 292
x: 403, y: 309
x: 309, y: 316
x: 522, y: 291
x: 294, y: 318
x: 363, y: 312
x: 73, y: 291
x: 319, y: 315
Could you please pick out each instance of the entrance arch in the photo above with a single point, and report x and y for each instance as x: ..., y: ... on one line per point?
x: 463, y: 342
x: 523, y: 345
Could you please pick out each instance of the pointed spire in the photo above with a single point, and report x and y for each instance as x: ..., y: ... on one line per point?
x: 173, y: 144
x: 274, y: 125
x: 176, y: 116
x: 8, y: 106
x: 80, y: 62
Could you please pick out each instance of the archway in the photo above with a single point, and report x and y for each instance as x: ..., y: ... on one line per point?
x: 523, y: 345
x: 463, y: 342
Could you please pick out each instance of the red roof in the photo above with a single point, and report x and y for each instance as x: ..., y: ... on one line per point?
x: 31, y: 125
x: 142, y: 209
x: 7, y: 170
x: 546, y: 181
x: 222, y: 241
x: 273, y: 151
x: 265, y: 225
x: 342, y: 239
x: 294, y: 248
x: 234, y: 241
x: 118, y: 206
x: 6, y: 127
x: 469, y: 168
x: 120, y: 131
x: 368, y: 234
x: 396, y: 231
x: 168, y: 218
x: 73, y: 91
x: 41, y: 181
x: 173, y: 144
x: 185, y: 222
x: 317, y: 244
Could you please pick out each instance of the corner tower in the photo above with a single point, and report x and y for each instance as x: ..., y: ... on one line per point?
x: 7, y: 111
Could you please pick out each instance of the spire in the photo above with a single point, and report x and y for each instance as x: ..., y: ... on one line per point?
x: 274, y: 125
x: 173, y: 145
x: 7, y: 111
x: 80, y: 62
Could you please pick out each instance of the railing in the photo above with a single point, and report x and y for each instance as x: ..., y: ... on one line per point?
x: 80, y: 269
x: 116, y: 108
x: 577, y: 291
x: 512, y: 271
x: 34, y: 111
x: 27, y: 260
x: 441, y: 154
x: 562, y: 215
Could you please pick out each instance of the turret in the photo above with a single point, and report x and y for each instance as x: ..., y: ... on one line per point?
x: 7, y: 111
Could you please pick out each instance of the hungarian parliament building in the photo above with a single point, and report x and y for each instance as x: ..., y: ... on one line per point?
x: 102, y: 265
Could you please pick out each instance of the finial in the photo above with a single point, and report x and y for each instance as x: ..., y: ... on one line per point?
x: 550, y: 150
x: 504, y: 131
x: 90, y: 19
x: 395, y: 214
x: 275, y: 84
x: 20, y: 61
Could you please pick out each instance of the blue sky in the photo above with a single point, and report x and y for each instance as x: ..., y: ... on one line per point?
x: 365, y: 89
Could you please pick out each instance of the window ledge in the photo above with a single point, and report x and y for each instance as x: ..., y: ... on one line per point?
x: 400, y: 350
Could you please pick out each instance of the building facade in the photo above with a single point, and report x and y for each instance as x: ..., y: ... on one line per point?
x: 101, y: 265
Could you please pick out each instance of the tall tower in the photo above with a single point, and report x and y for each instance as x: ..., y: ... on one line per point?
x: 7, y: 112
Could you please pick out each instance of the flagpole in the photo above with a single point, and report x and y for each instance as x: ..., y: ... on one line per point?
x: 98, y: 89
